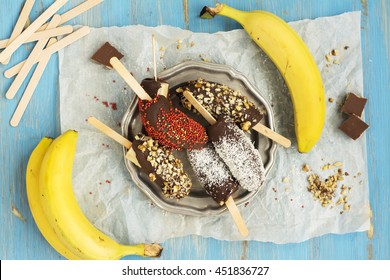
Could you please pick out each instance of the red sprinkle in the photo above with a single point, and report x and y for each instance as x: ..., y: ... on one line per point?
x: 173, y: 129
x: 105, y: 103
x: 113, y: 106
x: 108, y: 181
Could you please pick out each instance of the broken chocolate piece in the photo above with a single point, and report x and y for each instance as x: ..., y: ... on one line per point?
x: 354, y: 104
x: 353, y: 127
x: 105, y: 53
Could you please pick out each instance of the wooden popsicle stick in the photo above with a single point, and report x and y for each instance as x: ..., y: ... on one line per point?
x: 116, y: 137
x: 154, y: 57
x: 267, y: 132
x: 237, y: 218
x: 14, y: 45
x: 205, y: 114
x: 13, y: 89
x: 76, y: 11
x: 41, y: 33
x: 230, y: 204
x: 53, y: 32
x: 129, y: 79
x: 20, y: 23
x: 26, y: 97
x: 64, y: 42
x: 262, y: 129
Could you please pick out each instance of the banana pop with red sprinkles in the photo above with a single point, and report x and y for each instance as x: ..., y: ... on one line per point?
x: 170, y: 126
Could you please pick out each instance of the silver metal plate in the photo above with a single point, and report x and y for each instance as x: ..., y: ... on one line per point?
x: 198, y: 203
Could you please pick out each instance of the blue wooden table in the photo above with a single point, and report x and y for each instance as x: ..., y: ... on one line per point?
x: 20, y: 239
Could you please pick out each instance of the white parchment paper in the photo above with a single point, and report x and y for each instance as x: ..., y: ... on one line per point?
x: 284, y: 211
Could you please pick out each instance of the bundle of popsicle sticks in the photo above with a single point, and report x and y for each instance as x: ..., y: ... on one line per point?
x: 42, y: 31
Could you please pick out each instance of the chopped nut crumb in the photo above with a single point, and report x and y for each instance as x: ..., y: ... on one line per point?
x: 326, y: 166
x: 334, y: 52
x: 330, y: 99
x: 306, y: 168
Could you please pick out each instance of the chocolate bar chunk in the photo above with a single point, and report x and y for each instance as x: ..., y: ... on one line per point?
x: 354, y: 104
x: 105, y: 53
x: 353, y: 127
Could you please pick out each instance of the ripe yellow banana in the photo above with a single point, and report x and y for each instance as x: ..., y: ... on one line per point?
x: 32, y: 188
x: 295, y: 63
x: 70, y: 224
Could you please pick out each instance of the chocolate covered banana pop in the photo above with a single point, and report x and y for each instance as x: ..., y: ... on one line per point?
x: 238, y: 153
x: 162, y: 167
x: 212, y: 173
x: 156, y: 161
x: 219, y: 100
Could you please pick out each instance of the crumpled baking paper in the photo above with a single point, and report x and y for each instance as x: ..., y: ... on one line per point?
x: 284, y: 211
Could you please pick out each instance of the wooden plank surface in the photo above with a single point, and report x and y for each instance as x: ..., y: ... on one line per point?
x: 22, y: 240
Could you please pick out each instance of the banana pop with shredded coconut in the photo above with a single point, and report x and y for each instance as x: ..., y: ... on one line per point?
x: 238, y: 153
x: 213, y: 173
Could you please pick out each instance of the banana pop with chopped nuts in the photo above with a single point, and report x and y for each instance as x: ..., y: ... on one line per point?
x: 162, y: 167
x: 219, y: 99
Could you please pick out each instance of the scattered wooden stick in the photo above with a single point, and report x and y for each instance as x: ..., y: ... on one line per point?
x: 154, y: 57
x: 20, y: 23
x: 262, y: 129
x: 31, y: 60
x: 130, y: 155
x: 230, y: 204
x: 41, y: 33
x: 76, y: 11
x: 64, y: 42
x: 28, y: 93
x: 14, y: 45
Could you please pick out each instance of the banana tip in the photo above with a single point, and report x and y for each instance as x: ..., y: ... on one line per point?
x: 153, y: 250
x: 207, y: 13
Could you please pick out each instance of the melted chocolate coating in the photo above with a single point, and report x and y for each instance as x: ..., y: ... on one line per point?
x: 151, y: 86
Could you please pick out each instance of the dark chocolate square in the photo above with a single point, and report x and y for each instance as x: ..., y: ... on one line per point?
x: 354, y: 104
x: 105, y: 53
x: 353, y: 127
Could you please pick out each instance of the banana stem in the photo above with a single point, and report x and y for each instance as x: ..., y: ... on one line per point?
x: 223, y: 10
x: 143, y: 250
